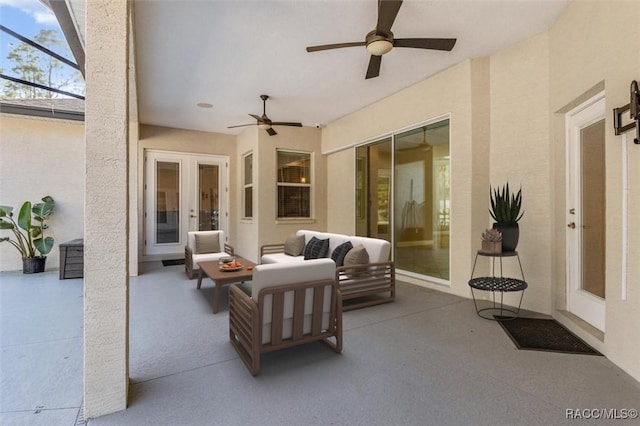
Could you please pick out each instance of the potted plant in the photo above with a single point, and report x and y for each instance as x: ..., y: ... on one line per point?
x: 28, y: 232
x: 505, y: 210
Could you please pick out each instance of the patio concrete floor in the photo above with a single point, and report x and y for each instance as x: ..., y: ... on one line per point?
x: 426, y: 359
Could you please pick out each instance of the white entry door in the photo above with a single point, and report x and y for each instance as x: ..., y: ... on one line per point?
x: 586, y: 210
x: 183, y: 192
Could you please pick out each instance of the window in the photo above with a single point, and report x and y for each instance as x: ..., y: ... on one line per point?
x: 247, y: 182
x: 294, y: 184
x: 403, y: 195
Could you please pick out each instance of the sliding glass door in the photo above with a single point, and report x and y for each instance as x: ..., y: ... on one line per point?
x: 403, y: 195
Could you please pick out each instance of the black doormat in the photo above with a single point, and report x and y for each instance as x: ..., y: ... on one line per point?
x: 544, y: 335
x: 172, y: 262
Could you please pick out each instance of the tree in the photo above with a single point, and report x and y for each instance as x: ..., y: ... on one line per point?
x: 32, y: 65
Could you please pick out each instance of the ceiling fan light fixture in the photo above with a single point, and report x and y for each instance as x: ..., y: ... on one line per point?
x: 264, y: 126
x: 379, y: 47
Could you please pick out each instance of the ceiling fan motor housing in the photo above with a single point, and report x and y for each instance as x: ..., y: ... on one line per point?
x: 379, y: 42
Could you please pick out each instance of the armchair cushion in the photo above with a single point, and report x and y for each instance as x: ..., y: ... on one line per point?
x: 294, y: 245
x: 207, y: 243
x: 316, y: 248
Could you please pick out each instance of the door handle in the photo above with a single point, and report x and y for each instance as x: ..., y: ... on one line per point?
x: 571, y: 225
x: 193, y: 215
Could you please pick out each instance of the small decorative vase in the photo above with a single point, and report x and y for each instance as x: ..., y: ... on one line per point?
x: 494, y: 247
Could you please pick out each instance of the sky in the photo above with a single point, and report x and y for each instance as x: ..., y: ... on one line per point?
x: 27, y: 18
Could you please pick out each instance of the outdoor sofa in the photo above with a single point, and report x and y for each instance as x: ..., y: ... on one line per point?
x: 363, y: 271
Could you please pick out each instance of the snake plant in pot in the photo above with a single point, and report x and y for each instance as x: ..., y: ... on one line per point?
x: 29, y: 232
x: 505, y: 210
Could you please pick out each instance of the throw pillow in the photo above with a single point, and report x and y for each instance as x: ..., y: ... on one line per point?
x: 316, y: 248
x: 356, y: 256
x: 207, y: 243
x: 294, y: 245
x: 340, y: 252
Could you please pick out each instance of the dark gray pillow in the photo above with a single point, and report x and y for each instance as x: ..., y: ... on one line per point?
x: 356, y: 256
x: 207, y: 243
x: 340, y: 252
x: 294, y: 245
x: 316, y: 249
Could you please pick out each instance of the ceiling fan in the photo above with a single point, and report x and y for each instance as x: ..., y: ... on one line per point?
x: 265, y: 122
x: 381, y: 41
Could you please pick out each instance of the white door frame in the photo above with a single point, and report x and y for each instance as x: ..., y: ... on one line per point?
x: 585, y: 305
x: 189, y: 198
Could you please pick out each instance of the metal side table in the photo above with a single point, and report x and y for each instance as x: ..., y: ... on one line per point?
x: 499, y: 284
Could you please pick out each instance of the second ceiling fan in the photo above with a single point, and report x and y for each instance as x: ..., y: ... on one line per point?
x: 380, y: 41
x: 265, y: 122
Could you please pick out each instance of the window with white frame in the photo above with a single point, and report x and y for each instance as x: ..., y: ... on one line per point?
x: 247, y: 183
x: 294, y: 184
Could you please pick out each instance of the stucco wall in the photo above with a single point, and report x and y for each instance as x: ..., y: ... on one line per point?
x: 520, y: 150
x: 594, y: 44
x: 42, y: 157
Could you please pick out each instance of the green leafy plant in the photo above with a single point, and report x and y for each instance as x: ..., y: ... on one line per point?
x: 505, y: 206
x: 29, y: 230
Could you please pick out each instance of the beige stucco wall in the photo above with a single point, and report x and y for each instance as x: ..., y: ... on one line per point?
x: 41, y: 157
x: 595, y: 44
x: 106, y: 239
x: 520, y: 149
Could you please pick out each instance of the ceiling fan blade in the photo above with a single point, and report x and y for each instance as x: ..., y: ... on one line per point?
x: 241, y: 125
x: 374, y: 66
x: 426, y: 43
x: 285, y: 123
x: 255, y: 116
x: 387, y: 12
x: 335, y: 46
x: 271, y: 131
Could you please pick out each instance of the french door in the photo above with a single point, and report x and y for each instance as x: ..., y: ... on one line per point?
x: 183, y: 192
x: 586, y: 203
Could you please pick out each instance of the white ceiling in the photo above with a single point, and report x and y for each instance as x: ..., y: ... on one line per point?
x: 227, y: 53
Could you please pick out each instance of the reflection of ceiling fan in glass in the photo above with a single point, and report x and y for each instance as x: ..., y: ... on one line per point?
x: 380, y: 41
x: 265, y: 122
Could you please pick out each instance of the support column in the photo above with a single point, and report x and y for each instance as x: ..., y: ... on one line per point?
x: 106, y: 281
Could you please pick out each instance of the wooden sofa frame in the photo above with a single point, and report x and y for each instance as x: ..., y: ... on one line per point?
x: 192, y: 270
x: 246, y: 320
x: 371, y: 279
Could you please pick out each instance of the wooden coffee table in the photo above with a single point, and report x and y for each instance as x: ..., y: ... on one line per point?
x: 220, y: 277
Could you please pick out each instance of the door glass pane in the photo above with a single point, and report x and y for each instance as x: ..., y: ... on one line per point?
x: 373, y: 190
x: 422, y: 200
x: 167, y: 202
x: 208, y: 189
x: 593, y: 208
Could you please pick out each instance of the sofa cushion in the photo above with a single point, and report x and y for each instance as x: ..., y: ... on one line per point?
x: 316, y: 248
x: 281, y: 258
x: 340, y: 252
x: 294, y: 245
x: 207, y: 243
x: 377, y: 248
x: 356, y: 256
